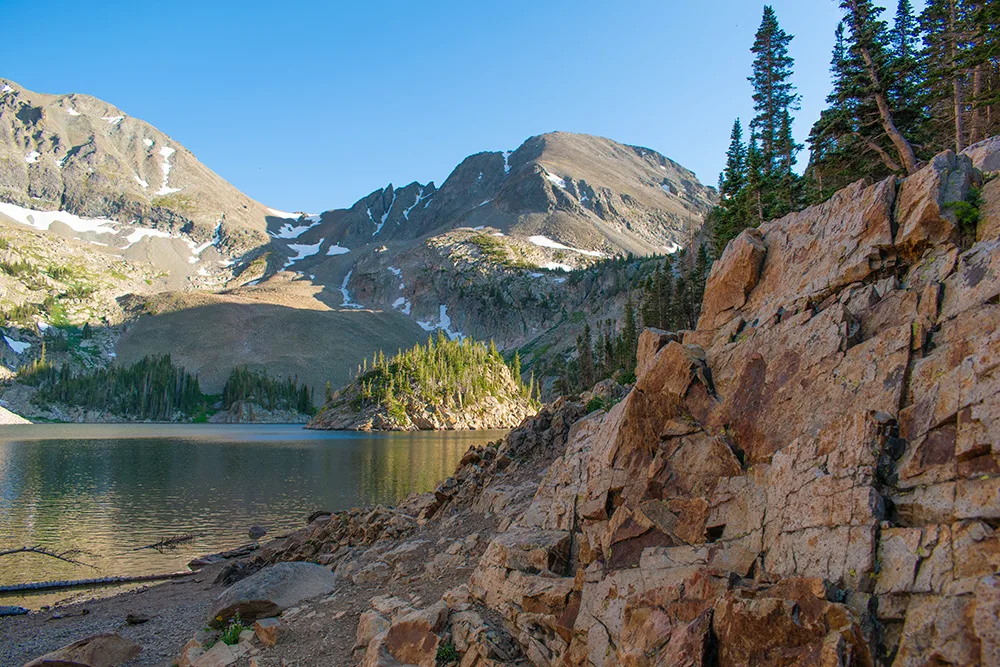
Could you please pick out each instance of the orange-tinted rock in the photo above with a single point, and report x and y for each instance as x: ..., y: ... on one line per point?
x: 790, y: 625
x: 104, y: 650
x: 733, y: 278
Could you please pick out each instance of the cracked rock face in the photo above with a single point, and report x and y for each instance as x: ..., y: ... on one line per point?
x: 818, y: 459
x: 812, y: 477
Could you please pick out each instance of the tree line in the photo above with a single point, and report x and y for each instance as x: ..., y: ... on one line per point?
x: 261, y: 389
x: 902, y: 92
x: 668, y: 297
x: 444, y: 372
x: 153, y: 388
x: 156, y: 389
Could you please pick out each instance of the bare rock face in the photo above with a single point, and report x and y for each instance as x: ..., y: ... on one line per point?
x: 811, y: 477
x: 922, y: 212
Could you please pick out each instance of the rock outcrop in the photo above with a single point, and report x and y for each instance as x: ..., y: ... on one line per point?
x: 818, y: 458
x: 810, y: 477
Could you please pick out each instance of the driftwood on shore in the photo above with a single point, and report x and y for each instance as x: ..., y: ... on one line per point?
x: 169, y: 543
x: 88, y: 583
x: 65, y: 556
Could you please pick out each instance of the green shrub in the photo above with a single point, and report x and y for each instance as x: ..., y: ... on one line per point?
x: 231, y: 635
x: 596, y: 403
x: 79, y: 291
x: 18, y: 268
x: 447, y: 653
x: 967, y: 216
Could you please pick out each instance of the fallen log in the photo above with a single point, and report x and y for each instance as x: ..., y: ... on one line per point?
x: 90, y: 583
x: 7, y: 610
x: 169, y: 543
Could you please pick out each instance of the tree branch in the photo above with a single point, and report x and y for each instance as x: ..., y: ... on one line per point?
x: 882, y: 153
x: 65, y: 556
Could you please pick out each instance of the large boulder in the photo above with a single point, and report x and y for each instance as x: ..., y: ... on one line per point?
x: 105, y: 650
x: 985, y: 155
x: 922, y: 210
x: 270, y: 591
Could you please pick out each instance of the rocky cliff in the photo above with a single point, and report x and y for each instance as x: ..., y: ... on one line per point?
x: 810, y: 477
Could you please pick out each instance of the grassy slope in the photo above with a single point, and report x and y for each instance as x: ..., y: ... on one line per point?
x: 284, y: 330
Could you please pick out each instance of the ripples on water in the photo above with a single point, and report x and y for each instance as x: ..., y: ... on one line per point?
x: 107, y: 489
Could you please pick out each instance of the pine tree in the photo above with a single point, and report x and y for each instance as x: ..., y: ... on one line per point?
x: 585, y: 354
x: 730, y: 215
x: 774, y: 94
x: 982, y: 58
x: 630, y: 335
x: 868, y: 42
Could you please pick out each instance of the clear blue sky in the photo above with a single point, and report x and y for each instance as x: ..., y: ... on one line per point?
x: 312, y: 105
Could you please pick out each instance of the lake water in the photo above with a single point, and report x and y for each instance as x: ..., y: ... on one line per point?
x: 108, y: 489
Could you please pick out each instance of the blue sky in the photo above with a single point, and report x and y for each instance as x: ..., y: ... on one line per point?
x: 312, y: 105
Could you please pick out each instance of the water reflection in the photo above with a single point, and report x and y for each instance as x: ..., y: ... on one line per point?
x: 107, y: 489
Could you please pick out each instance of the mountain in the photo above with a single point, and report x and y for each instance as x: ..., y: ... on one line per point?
x: 164, y: 256
x: 86, y: 159
x: 487, y: 254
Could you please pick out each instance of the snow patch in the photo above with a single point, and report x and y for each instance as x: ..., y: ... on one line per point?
x: 385, y: 216
x: 6, y: 89
x: 72, y: 112
x: 312, y: 217
x: 546, y: 242
x: 485, y: 203
x: 216, y: 238
x: 139, y: 233
x: 556, y: 266
x: 149, y: 143
x: 113, y: 120
x: 506, y: 161
x: 406, y: 212
x: 395, y: 271
x: 141, y: 182
x: 17, y: 346
x: 303, y: 251
x: 32, y: 157
x: 555, y: 180
x: 42, y: 220
x: 337, y: 249
x: 61, y: 161
x: 403, y: 305
x: 443, y: 323
x: 290, y: 231
x: 348, y: 303
x: 166, y: 152
x: 671, y: 248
